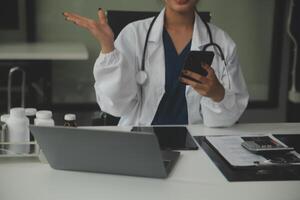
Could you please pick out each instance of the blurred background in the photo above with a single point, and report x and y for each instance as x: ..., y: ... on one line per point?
x: 58, y: 57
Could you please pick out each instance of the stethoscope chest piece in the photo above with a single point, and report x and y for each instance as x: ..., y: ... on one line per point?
x: 141, y: 77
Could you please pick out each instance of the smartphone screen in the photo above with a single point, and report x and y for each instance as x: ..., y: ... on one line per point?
x: 195, y: 60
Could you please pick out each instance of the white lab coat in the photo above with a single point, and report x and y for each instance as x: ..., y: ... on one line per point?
x: 118, y: 93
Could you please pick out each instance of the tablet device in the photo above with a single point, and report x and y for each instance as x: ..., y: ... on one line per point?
x: 195, y: 60
x: 171, y: 138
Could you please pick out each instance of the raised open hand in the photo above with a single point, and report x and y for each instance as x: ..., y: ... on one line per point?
x: 99, y: 29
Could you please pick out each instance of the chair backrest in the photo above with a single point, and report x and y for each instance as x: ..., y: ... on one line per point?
x: 119, y: 19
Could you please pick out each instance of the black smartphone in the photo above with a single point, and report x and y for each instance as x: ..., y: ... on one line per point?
x: 195, y: 60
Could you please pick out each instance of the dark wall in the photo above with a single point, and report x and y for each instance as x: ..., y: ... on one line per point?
x: 9, y: 19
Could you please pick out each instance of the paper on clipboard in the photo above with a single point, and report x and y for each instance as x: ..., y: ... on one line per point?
x: 230, y: 148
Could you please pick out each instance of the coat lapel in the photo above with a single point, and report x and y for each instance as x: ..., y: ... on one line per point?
x: 155, y: 53
x: 200, y: 34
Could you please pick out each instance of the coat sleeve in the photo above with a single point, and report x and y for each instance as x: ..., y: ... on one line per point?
x: 227, y: 112
x: 114, y: 73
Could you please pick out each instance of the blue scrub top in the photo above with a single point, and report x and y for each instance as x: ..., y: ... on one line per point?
x: 172, y: 109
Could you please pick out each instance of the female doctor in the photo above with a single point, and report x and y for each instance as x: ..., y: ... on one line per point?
x: 147, y: 88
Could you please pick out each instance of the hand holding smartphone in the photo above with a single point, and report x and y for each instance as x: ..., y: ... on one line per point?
x: 196, y: 59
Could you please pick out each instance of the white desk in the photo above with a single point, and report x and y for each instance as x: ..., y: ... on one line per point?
x: 195, y: 177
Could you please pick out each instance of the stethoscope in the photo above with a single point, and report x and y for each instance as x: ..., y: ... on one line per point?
x: 142, y: 76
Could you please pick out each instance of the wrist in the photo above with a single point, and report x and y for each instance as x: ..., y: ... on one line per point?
x: 107, y: 49
x: 220, y: 96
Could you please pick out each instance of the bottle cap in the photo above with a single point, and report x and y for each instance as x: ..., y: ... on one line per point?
x: 70, y: 117
x: 4, y: 118
x: 44, y: 114
x: 17, y: 112
x: 30, y: 111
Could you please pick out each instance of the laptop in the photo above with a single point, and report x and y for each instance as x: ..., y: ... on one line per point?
x: 104, y: 151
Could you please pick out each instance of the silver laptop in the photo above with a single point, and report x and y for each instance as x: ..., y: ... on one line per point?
x: 104, y: 151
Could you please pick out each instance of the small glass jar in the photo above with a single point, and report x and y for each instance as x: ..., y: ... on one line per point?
x: 3, y: 132
x: 4, y: 118
x: 70, y: 120
x: 3, y: 128
x: 30, y: 114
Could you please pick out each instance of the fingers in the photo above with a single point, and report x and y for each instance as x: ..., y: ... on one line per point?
x: 190, y: 82
x: 202, y: 89
x: 195, y: 76
x: 209, y: 69
x: 77, y: 19
x: 102, y: 17
x: 206, y: 86
x: 205, y: 66
x: 74, y: 16
x: 84, y: 21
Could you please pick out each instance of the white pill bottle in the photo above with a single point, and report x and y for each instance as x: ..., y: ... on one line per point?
x: 43, y: 118
x: 18, y: 131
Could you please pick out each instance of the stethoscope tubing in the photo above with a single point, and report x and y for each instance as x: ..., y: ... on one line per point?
x: 142, y: 75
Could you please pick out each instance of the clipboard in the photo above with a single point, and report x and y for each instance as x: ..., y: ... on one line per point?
x: 254, y: 172
x: 231, y: 149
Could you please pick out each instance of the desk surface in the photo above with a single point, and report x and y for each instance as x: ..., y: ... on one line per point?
x: 194, y: 177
